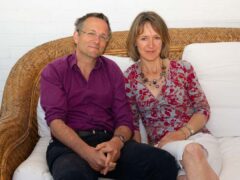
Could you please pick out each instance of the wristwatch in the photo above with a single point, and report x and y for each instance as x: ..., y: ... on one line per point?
x: 121, y: 137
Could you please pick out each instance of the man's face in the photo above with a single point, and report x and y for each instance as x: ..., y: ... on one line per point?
x: 92, y: 39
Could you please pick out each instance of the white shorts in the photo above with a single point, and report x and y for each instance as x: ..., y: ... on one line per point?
x: 208, y: 141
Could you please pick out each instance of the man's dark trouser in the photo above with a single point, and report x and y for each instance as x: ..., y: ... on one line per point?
x: 137, y: 162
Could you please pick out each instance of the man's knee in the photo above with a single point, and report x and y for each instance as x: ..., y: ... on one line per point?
x: 165, y: 165
x: 71, y: 167
x: 71, y: 175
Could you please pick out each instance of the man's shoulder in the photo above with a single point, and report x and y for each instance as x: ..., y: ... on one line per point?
x: 107, y: 61
x: 59, y: 64
x: 110, y: 65
x: 62, y: 61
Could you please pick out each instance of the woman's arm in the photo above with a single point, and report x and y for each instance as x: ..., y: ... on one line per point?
x: 195, y: 124
x: 198, y: 100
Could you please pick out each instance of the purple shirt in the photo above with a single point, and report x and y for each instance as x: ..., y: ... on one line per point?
x: 99, y: 103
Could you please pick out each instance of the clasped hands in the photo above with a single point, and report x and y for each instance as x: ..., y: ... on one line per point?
x: 103, y: 157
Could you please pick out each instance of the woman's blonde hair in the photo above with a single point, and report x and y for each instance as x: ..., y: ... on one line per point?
x: 136, y: 29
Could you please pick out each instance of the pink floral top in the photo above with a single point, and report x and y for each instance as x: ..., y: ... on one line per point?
x: 181, y: 96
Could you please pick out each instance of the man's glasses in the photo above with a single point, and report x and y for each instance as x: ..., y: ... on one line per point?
x: 94, y: 35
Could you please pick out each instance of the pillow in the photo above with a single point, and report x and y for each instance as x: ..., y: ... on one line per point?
x: 35, y: 166
x: 218, y: 68
x: 122, y: 62
x: 43, y: 128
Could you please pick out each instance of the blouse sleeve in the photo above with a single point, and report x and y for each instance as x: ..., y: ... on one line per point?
x: 195, y: 91
x: 132, y: 101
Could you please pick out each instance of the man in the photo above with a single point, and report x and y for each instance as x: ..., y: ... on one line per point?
x: 89, y: 116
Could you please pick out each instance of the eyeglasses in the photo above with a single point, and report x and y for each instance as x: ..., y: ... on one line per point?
x: 94, y: 35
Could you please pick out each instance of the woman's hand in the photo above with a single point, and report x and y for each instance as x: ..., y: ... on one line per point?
x: 170, y: 137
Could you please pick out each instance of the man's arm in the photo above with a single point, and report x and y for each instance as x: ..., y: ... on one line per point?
x: 137, y: 136
x: 122, y: 133
x: 68, y: 137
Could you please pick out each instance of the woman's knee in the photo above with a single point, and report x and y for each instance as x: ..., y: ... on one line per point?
x: 194, y: 152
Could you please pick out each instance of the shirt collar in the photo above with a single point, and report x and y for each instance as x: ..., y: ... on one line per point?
x: 73, y: 61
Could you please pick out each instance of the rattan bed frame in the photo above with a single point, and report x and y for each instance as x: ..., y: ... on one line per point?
x: 18, y: 124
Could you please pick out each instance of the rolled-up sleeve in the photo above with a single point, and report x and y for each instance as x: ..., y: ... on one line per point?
x: 52, y: 94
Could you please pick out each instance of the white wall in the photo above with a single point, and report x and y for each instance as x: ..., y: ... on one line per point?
x: 28, y: 23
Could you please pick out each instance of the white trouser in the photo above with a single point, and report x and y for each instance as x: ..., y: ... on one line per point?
x: 209, y: 142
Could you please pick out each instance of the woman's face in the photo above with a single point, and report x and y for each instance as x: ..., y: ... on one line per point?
x: 149, y: 44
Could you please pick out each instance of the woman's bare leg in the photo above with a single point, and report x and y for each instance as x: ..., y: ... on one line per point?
x: 182, y: 177
x: 196, y: 165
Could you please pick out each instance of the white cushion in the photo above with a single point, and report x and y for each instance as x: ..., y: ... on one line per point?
x: 35, y: 166
x: 230, y: 149
x: 43, y: 128
x: 218, y: 68
x: 122, y: 62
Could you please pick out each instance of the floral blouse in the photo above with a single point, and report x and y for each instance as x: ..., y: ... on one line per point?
x: 180, y: 97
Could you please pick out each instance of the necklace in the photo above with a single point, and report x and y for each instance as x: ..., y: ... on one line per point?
x: 155, y: 82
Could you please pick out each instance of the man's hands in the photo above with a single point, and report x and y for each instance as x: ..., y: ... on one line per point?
x: 112, y: 150
x: 95, y: 158
x: 103, y: 158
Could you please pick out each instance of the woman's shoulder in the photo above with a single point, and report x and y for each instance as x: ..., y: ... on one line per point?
x: 131, y: 70
x: 183, y: 64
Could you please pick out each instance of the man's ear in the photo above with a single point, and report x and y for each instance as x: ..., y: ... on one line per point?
x: 75, y: 37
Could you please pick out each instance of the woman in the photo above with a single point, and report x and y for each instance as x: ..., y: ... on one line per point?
x: 168, y: 98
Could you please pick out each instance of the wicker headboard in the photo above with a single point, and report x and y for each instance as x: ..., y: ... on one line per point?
x: 18, y: 125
